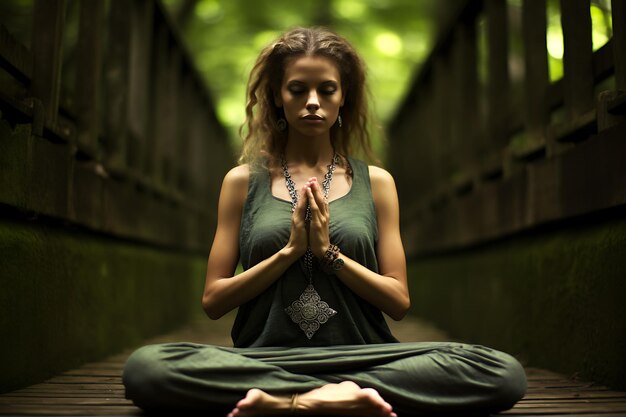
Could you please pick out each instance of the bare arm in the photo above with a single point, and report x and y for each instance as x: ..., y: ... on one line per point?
x: 387, y: 290
x: 223, y: 291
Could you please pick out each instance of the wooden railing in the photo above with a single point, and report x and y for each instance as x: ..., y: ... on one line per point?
x: 481, y: 157
x: 110, y: 127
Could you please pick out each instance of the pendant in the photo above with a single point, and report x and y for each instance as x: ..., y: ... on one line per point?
x: 309, y: 311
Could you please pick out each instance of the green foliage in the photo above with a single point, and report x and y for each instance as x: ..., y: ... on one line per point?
x: 393, y: 36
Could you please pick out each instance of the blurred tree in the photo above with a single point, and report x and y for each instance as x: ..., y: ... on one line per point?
x: 393, y: 36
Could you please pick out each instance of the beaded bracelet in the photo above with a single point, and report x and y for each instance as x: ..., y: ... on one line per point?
x: 331, y: 261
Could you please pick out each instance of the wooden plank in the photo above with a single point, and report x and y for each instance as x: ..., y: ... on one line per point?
x: 619, y: 42
x: 69, y: 410
x: 557, y: 414
x: 563, y: 394
x: 577, y: 57
x: 563, y: 402
x: 606, y: 407
x: 15, y: 57
x: 67, y: 394
x: 38, y: 401
x: 52, y: 387
x: 94, y: 372
x: 546, y: 190
x: 47, y: 50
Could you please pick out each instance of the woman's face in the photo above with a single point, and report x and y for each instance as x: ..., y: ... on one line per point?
x: 311, y: 95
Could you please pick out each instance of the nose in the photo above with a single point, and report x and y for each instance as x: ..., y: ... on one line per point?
x: 312, y: 102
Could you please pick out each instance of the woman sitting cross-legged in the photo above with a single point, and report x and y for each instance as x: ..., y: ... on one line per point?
x: 317, y: 232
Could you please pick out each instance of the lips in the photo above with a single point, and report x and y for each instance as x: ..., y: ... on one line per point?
x: 312, y: 117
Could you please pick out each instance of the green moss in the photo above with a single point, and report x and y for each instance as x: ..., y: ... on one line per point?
x: 68, y: 297
x: 554, y: 298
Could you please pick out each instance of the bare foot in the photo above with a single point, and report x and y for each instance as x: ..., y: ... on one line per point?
x: 260, y: 403
x: 345, y: 399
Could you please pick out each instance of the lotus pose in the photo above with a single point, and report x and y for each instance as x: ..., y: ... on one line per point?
x: 317, y: 233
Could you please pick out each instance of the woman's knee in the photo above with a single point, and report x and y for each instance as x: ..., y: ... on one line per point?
x: 497, y: 375
x: 153, y: 374
x: 143, y: 373
x: 511, y: 385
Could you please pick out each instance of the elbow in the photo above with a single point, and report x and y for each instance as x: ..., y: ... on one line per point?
x: 210, y: 309
x: 401, y: 309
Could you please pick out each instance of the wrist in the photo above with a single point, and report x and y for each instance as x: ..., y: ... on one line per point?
x: 331, y: 261
x: 290, y: 253
x: 320, y: 250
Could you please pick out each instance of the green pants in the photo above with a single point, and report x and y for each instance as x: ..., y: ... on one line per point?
x: 413, y: 377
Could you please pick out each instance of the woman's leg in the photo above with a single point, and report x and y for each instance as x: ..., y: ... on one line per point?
x: 193, y: 377
x: 443, y: 377
x: 188, y: 376
x: 413, y: 377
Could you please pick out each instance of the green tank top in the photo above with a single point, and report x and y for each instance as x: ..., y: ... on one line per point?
x: 265, y: 229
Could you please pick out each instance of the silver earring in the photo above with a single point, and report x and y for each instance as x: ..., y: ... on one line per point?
x: 282, y: 124
x: 339, y: 121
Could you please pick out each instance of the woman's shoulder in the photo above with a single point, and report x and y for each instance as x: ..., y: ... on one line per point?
x: 383, y: 187
x: 379, y: 177
x: 235, y: 184
x: 238, y: 173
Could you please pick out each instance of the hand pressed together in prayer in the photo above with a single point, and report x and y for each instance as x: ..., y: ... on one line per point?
x: 298, y: 239
x: 319, y: 239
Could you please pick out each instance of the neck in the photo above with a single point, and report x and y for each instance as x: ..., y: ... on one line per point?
x: 309, y: 151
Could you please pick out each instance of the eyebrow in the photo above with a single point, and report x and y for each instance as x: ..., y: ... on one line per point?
x: 296, y: 81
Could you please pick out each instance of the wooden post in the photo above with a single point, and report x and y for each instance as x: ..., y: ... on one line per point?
x: 454, y: 104
x: 464, y: 113
x: 173, y: 155
x: 183, y: 137
x: 619, y: 43
x: 537, y: 110
x: 471, y: 116
x: 442, y: 145
x: 88, y: 74
x: 161, y: 106
x: 196, y: 165
x: 498, y: 103
x: 116, y: 71
x: 142, y: 18
x: 577, y: 57
x: 429, y: 143
x: 47, y: 49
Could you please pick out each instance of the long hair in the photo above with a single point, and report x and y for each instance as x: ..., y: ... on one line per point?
x: 263, y: 141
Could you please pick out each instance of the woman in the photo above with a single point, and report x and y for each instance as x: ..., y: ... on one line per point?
x: 317, y: 233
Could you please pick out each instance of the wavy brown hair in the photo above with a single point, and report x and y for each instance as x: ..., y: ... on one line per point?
x: 263, y: 141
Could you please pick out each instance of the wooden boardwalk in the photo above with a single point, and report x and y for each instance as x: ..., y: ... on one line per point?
x: 96, y: 389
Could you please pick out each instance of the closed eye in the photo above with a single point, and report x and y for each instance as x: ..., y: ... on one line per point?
x: 296, y: 90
